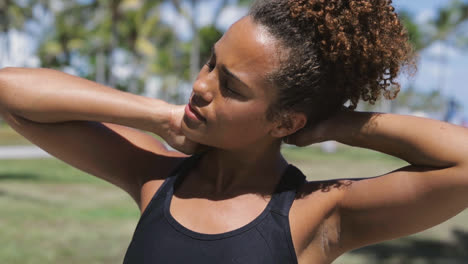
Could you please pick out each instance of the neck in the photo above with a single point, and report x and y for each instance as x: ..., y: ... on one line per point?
x: 253, y: 169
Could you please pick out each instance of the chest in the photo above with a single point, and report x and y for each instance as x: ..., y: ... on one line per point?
x: 216, y: 216
x: 237, y: 230
x: 312, y: 228
x: 309, y: 232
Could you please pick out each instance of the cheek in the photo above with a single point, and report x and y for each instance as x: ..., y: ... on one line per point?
x: 233, y: 125
x: 244, y: 124
x: 240, y: 115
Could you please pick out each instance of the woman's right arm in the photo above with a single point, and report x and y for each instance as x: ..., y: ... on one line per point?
x: 87, y: 125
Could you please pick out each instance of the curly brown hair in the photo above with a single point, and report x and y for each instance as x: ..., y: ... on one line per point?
x: 334, y: 51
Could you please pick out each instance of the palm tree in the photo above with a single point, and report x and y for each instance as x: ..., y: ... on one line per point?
x: 108, y: 26
x: 69, y: 35
x: 190, y: 15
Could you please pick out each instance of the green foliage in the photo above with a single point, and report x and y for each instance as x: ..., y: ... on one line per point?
x: 14, y: 14
x: 133, y: 27
x: 245, y: 2
x: 415, y: 100
x: 414, y: 31
x: 209, y: 35
x: 448, y: 24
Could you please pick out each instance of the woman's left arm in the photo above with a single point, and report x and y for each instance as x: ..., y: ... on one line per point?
x: 431, y: 190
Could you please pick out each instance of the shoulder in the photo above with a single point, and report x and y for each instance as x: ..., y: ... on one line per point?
x: 153, y: 181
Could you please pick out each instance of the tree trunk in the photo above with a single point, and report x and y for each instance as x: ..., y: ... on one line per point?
x: 113, y: 42
x: 195, y: 52
x: 4, y: 51
x: 110, y: 75
x: 195, y: 49
x: 101, y: 68
x: 195, y: 55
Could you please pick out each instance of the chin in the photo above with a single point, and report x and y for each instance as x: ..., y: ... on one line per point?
x: 212, y: 138
x: 194, y: 134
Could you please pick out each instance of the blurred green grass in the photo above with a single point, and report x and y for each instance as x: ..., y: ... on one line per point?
x: 8, y: 137
x: 53, y: 213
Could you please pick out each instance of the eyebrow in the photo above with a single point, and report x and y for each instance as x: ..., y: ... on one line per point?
x: 227, y: 71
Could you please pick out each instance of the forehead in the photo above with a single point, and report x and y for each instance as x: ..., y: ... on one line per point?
x: 249, y: 51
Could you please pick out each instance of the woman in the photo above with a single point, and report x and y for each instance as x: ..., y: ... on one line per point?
x: 283, y: 72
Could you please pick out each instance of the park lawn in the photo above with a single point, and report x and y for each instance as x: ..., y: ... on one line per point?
x: 53, y: 213
x: 9, y: 137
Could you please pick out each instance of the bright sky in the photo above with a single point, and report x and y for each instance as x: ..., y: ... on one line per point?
x: 453, y: 76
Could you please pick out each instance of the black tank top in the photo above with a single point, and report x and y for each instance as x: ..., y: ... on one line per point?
x: 159, y: 238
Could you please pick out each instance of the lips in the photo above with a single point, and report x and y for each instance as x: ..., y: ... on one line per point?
x: 194, y: 113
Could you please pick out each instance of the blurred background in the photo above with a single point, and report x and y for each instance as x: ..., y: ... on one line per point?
x: 52, y: 213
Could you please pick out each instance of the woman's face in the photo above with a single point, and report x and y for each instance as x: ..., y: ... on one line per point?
x: 231, y: 95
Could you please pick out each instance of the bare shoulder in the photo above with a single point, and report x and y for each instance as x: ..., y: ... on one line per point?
x: 153, y: 181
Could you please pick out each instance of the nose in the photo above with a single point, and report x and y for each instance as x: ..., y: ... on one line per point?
x: 202, y: 90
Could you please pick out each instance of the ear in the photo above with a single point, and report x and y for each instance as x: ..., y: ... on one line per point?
x: 288, y: 124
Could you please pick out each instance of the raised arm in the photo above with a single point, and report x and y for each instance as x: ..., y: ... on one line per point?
x: 71, y: 118
x: 49, y: 96
x: 431, y: 190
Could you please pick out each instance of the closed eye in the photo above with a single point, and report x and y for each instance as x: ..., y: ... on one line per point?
x: 224, y: 75
x: 210, y: 66
x: 211, y: 63
x: 225, y: 86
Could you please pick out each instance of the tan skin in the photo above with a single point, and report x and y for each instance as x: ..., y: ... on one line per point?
x: 243, y: 143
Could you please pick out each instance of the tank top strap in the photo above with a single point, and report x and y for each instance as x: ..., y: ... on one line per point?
x: 286, y: 191
x: 180, y: 170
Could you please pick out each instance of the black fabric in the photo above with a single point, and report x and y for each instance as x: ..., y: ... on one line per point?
x: 159, y: 238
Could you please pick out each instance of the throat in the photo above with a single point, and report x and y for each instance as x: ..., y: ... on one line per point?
x: 225, y: 174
